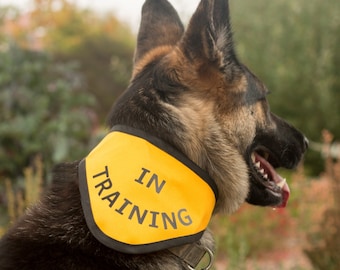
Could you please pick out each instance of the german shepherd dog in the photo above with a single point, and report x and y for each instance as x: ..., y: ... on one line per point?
x: 189, y: 90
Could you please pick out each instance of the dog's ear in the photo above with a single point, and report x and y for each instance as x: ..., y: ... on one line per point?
x: 160, y: 26
x: 208, y: 39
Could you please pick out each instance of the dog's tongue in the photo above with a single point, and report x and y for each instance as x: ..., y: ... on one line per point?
x: 285, y: 191
x: 281, y: 182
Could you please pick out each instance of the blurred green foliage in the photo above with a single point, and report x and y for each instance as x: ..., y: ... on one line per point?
x: 101, y: 45
x: 43, y: 110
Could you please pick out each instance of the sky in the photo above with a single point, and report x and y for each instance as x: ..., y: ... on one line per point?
x: 127, y: 11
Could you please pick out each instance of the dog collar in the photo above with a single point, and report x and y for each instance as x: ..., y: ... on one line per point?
x: 193, y: 254
x: 141, y: 195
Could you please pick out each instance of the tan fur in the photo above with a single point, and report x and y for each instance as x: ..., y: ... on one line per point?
x: 208, y: 145
x: 149, y: 57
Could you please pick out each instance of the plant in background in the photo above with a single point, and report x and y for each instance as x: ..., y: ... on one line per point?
x: 324, y: 249
x: 43, y: 111
x: 100, y: 43
x: 17, y: 202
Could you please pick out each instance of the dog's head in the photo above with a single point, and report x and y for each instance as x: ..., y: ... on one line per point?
x: 189, y: 88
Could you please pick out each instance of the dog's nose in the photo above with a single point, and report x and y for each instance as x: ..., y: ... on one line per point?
x: 306, y: 143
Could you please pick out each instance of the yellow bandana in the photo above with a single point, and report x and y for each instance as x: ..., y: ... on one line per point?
x: 141, y: 195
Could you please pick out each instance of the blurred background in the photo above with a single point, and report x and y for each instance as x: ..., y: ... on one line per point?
x: 63, y: 63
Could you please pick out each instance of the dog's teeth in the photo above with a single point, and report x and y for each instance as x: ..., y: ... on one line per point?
x: 258, y: 165
x: 265, y: 176
x: 261, y: 171
x: 253, y: 157
x: 282, y: 183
